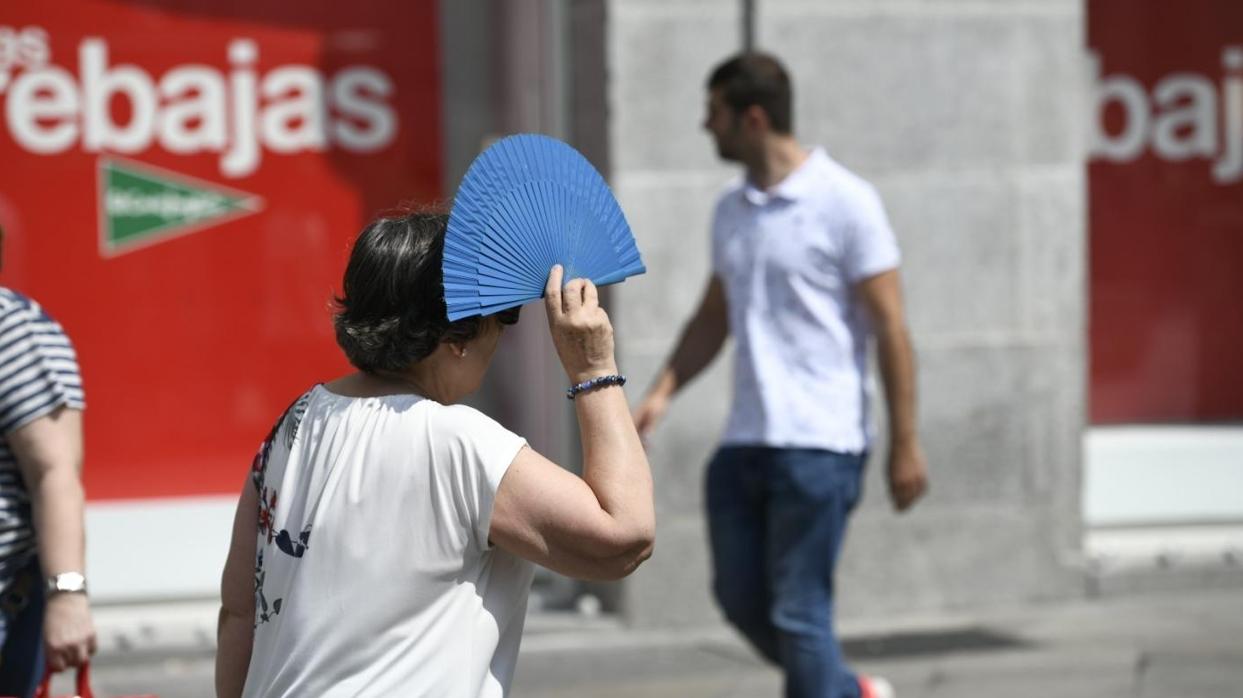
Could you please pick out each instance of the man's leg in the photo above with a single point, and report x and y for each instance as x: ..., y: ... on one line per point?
x: 736, y: 527
x: 21, y: 638
x: 810, y: 496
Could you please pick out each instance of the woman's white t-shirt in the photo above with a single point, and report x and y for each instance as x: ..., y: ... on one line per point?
x: 374, y: 575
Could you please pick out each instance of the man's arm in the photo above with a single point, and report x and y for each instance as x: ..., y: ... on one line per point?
x: 49, y: 452
x: 908, y: 471
x: 701, y: 341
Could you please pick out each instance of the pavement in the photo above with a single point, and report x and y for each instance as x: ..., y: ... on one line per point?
x: 1167, y: 646
x: 1148, y: 645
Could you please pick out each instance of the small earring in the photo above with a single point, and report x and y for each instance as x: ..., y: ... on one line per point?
x: 463, y: 354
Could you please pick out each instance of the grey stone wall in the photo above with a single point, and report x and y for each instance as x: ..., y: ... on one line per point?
x: 968, y: 116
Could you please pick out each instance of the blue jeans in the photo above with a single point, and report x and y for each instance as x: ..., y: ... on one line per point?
x: 776, y: 518
x: 21, y: 633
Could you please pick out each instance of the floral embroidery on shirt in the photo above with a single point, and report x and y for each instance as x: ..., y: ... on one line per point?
x: 267, y: 505
x: 263, y: 612
x: 289, y: 421
x: 287, y: 545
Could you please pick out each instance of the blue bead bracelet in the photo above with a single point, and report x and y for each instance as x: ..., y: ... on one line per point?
x: 593, y: 384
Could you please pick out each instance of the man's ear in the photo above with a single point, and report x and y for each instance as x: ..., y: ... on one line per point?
x: 755, y: 118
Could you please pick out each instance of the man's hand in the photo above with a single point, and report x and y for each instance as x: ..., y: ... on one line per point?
x: 649, y: 413
x: 68, y: 632
x: 908, y: 475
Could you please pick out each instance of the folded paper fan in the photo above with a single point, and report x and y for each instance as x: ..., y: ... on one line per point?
x: 529, y: 202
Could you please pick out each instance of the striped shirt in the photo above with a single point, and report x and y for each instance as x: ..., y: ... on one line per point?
x: 38, y: 373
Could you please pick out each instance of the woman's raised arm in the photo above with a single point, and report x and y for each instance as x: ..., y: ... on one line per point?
x: 602, y: 525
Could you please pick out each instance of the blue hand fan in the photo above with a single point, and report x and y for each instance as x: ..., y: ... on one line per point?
x: 529, y: 202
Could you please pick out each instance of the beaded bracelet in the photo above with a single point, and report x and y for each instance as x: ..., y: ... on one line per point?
x: 593, y: 384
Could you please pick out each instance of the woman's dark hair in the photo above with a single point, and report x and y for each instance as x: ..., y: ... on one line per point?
x: 756, y: 79
x: 392, y: 310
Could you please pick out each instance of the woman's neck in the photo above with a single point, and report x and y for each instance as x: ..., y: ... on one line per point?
x: 380, y: 383
x: 420, y: 379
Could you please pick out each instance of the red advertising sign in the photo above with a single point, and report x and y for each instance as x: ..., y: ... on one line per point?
x: 1166, y: 211
x: 180, y: 184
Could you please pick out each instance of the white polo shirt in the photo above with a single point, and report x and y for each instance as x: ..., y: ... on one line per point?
x: 788, y: 258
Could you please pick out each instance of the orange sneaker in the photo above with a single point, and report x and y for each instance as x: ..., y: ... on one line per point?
x: 875, y: 687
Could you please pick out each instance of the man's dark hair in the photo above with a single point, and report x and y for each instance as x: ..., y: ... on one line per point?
x: 392, y: 310
x: 756, y: 79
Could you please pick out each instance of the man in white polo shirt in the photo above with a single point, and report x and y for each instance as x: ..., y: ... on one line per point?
x: 804, y: 273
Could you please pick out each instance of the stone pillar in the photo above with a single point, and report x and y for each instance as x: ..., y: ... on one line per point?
x: 969, y: 117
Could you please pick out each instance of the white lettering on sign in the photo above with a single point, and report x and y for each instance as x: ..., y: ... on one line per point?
x: 191, y: 108
x: 26, y: 48
x: 1186, y: 117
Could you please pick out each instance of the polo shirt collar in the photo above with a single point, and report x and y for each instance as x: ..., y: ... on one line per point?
x: 797, y: 185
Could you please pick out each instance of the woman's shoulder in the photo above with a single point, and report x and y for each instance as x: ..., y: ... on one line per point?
x: 460, y: 417
x: 473, y: 441
x: 289, y: 420
x: 470, y: 428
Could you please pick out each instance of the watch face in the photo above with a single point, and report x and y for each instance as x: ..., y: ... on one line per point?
x: 67, y: 581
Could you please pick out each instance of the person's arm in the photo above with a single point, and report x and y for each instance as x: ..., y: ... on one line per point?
x: 235, y: 629
x: 699, y: 344
x: 603, y: 525
x: 908, y: 472
x: 49, y: 452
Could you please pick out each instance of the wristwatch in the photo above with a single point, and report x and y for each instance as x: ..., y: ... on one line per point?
x: 70, y: 582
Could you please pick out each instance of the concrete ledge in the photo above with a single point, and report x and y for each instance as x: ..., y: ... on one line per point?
x: 157, y: 628
x: 1164, y: 558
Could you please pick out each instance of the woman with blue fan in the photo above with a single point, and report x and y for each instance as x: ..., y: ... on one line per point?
x: 385, y: 540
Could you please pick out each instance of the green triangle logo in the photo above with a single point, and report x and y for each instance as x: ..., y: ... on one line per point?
x: 141, y: 205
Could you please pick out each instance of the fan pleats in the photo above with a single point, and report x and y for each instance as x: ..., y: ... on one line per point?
x: 526, y: 203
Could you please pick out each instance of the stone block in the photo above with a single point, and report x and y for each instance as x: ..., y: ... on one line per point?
x: 1051, y: 219
x: 1013, y: 8
x: 959, y: 251
x: 1051, y: 63
x: 978, y: 407
x: 672, y: 589
x: 670, y: 218
x: 680, y: 447
x: 897, y: 85
x: 971, y: 556
x: 893, y: 92
x: 660, y: 54
x: 1055, y: 445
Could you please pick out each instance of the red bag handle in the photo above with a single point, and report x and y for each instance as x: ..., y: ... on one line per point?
x: 84, y: 683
